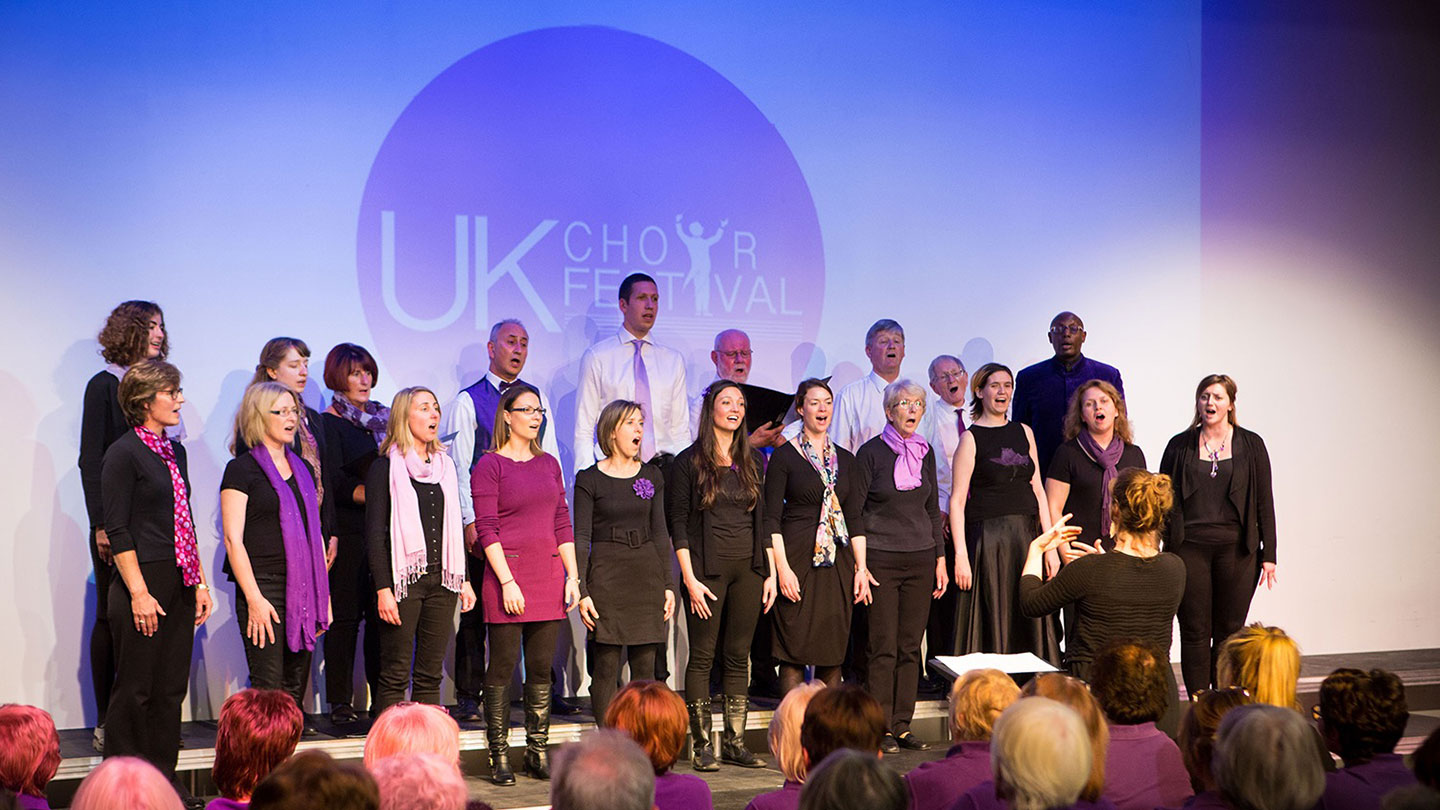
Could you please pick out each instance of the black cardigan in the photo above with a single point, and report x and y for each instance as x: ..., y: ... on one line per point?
x: 690, y: 525
x: 1250, y: 489
x: 329, y: 461
x: 101, y: 423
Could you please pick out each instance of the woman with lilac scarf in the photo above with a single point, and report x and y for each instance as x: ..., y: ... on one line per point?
x: 906, y: 554
x: 1098, y: 447
x: 417, y: 551
x: 274, y: 552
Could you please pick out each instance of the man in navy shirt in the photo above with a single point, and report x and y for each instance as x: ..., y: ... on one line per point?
x: 1043, y: 391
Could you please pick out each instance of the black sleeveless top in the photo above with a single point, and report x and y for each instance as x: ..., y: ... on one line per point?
x: 1001, y: 483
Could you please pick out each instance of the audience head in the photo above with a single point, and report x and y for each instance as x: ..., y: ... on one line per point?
x: 312, y: 779
x: 508, y: 420
x: 1140, y: 501
x: 885, y: 346
x: 419, y: 782
x: 948, y: 379
x: 1128, y: 681
x: 639, y: 303
x: 1427, y: 760
x: 1411, y: 797
x: 976, y: 700
x: 844, y: 716
x: 1362, y: 713
x: 285, y: 360
x: 134, y: 331
x: 1197, y: 731
x: 1074, y: 693
x: 612, y: 417
x: 654, y: 717
x: 904, y: 405
x: 259, y: 729
x: 731, y: 356
x: 1096, y: 406
x: 351, y: 372
x: 126, y: 782
x: 151, y: 390
x: 1067, y: 335
x: 29, y: 749
x: 413, y: 728
x: 414, y: 422
x: 508, y: 347
x: 603, y: 771
x: 1215, y: 401
x: 1040, y: 754
x: 991, y: 385
x: 785, y: 730
x: 255, y: 418
x: 1265, y: 759
x: 1263, y: 661
x: 848, y: 779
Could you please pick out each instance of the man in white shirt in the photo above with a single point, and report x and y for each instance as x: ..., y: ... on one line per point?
x: 943, y: 423
x: 630, y: 365
x: 732, y: 356
x: 860, y: 406
x: 468, y: 424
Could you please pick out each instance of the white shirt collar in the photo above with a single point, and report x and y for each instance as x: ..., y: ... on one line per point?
x: 628, y: 338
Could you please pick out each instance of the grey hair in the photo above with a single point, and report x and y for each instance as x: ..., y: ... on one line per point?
x: 899, y: 389
x: 942, y: 358
x: 495, y: 330
x: 1041, y: 754
x: 605, y: 770
x: 723, y: 332
x: 1266, y: 759
x: 419, y: 782
x: 883, y: 325
x: 849, y: 778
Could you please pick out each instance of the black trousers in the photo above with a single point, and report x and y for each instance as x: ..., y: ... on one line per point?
x: 606, y: 680
x: 470, y: 640
x: 274, y: 666
x: 507, y: 639
x: 152, y: 673
x: 412, y: 653
x: 102, y: 644
x: 1220, y: 581
x: 737, y: 590
x: 898, y: 615
x: 352, y: 598
x: 940, y: 627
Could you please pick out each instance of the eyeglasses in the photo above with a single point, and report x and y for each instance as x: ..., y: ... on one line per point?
x: 745, y: 353
x: 1072, y: 329
x: 528, y: 410
x: 173, y: 393
x: 950, y: 375
x: 910, y: 403
x: 287, y: 411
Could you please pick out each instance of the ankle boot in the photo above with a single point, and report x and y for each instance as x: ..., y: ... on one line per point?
x: 497, y: 734
x: 732, y: 738
x: 702, y: 753
x: 537, y: 731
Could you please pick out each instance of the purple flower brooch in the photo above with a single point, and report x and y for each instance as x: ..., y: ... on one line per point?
x: 645, y: 488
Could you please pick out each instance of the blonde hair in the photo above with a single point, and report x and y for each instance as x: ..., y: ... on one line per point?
x: 611, y: 417
x: 1074, y: 693
x: 128, y: 782
x: 976, y: 700
x: 1140, y: 501
x: 413, y: 728
x: 1075, y: 419
x: 250, y: 416
x: 1263, y: 660
x: 397, y: 432
x: 785, y: 726
x: 1041, y: 753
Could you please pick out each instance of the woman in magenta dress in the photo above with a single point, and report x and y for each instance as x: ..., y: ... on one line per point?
x: 530, y: 581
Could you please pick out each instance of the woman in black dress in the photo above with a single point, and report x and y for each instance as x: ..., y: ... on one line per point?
x: 269, y: 507
x: 158, y: 593
x: 134, y: 331
x: 1223, y: 525
x: 354, y: 427
x: 1098, y: 447
x: 906, y: 544
x: 813, y: 502
x: 715, y: 516
x: 997, y: 505
x: 623, y: 553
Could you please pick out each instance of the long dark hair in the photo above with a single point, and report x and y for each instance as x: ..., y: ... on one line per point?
x: 742, y: 458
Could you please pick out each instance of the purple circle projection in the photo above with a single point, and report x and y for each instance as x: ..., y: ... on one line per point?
x: 531, y: 176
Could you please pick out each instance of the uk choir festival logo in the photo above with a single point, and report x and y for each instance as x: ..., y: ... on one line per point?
x: 530, y: 177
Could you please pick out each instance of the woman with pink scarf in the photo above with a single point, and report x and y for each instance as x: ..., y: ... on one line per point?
x: 417, y: 550
x: 905, y: 548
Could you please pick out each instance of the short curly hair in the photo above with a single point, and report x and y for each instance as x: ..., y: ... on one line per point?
x: 125, y: 337
x: 1364, y: 711
x: 1128, y: 680
x: 141, y: 383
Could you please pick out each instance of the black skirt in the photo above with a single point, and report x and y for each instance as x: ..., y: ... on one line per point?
x: 815, y: 630
x: 994, y: 624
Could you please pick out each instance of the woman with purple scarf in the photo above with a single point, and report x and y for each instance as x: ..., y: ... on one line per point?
x: 905, y: 548
x: 1098, y: 447
x: 274, y: 551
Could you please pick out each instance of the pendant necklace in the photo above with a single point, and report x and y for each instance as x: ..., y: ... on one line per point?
x: 1214, y: 457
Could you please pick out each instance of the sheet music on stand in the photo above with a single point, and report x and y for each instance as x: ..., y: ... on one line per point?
x: 1009, y: 663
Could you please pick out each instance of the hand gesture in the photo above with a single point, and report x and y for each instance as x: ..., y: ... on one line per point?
x: 1056, y: 535
x: 863, y: 580
x: 768, y: 593
x: 572, y: 594
x: 1267, y: 575
x: 467, y: 598
x: 387, y: 608
x: 588, y: 614
x: 669, y: 604
x: 260, y: 627
x: 511, y: 598
x: 1075, y: 550
x: 963, y: 577
x: 942, y: 580
x: 698, y: 594
x: 204, y: 605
